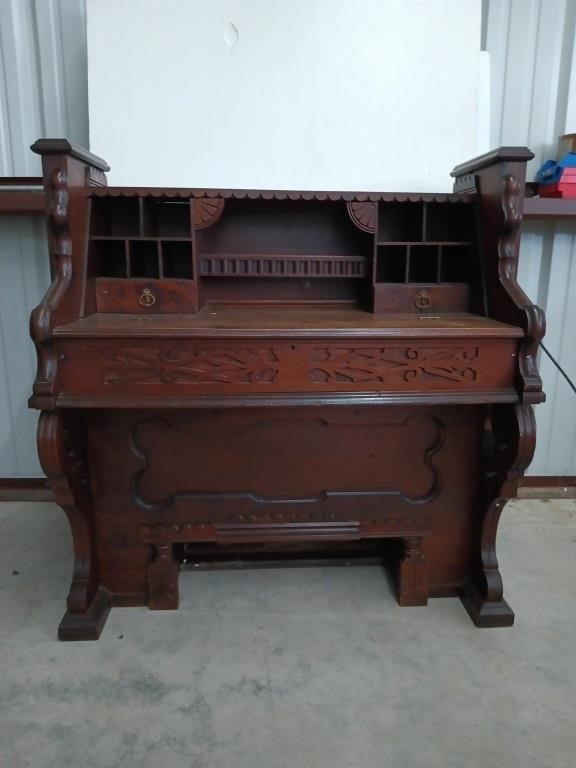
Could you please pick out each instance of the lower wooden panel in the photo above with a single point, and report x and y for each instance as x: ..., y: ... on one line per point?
x: 282, y: 475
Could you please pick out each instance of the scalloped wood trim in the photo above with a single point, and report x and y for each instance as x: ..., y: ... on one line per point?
x: 247, y: 194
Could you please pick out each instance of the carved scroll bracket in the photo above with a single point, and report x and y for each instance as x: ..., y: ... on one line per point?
x: 534, y: 322
x: 513, y: 440
x: 59, y: 441
x: 60, y: 243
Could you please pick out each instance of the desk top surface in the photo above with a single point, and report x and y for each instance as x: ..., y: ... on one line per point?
x: 230, y: 321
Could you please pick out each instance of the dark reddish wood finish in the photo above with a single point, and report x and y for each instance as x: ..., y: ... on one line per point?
x: 227, y: 369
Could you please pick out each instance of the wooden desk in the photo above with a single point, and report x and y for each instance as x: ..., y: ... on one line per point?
x: 225, y: 369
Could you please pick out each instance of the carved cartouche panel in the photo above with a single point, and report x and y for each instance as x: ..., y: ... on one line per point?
x: 236, y: 368
x: 202, y: 366
x: 390, y: 365
x: 282, y: 469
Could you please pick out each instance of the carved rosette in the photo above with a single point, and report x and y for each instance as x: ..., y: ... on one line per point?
x: 207, y: 211
x: 363, y: 214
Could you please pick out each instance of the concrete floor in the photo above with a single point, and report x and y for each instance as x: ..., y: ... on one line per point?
x: 294, y: 668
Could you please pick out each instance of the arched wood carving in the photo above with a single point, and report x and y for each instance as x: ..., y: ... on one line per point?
x: 363, y: 214
x: 207, y: 211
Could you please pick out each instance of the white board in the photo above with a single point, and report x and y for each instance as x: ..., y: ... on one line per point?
x: 284, y: 94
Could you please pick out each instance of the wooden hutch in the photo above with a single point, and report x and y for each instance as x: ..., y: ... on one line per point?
x: 226, y: 369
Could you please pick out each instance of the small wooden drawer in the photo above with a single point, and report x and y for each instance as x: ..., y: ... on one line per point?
x: 134, y: 296
x: 421, y: 297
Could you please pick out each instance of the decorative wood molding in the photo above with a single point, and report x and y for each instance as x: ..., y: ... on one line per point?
x: 494, y: 157
x: 534, y: 319
x: 512, y: 442
x: 253, y: 365
x: 259, y: 528
x: 500, y: 179
x: 387, y: 365
x: 207, y: 211
x: 276, y: 509
x: 60, y: 246
x: 241, y: 265
x: 58, y: 444
x: 363, y: 214
x: 46, y: 147
x: 395, y: 365
x: 252, y: 194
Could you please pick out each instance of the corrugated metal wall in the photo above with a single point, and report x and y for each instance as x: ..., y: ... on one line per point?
x: 533, y: 77
x: 43, y: 92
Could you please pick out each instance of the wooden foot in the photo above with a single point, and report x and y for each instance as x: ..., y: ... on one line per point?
x: 163, y: 579
x: 412, y: 574
x: 87, y: 625
x: 486, y: 613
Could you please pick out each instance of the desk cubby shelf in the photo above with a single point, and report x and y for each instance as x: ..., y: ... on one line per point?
x: 424, y: 258
x: 308, y: 251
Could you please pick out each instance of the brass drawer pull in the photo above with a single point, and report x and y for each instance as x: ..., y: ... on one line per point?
x: 147, y: 299
x: 423, y: 300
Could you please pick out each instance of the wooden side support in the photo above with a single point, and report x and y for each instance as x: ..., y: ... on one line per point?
x: 511, y: 441
x: 59, y: 445
x: 163, y: 579
x: 412, y: 574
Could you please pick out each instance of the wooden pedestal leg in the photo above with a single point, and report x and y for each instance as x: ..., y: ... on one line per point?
x: 512, y: 447
x: 412, y: 574
x: 163, y: 579
x: 60, y: 449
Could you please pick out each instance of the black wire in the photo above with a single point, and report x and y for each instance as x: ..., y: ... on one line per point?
x: 562, y: 371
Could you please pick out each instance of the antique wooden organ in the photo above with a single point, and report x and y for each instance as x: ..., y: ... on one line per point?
x: 227, y: 368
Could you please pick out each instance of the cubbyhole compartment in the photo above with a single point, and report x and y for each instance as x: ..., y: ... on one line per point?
x: 391, y: 263
x: 449, y: 222
x: 109, y: 258
x: 423, y: 264
x: 144, y: 259
x: 457, y: 265
x: 166, y: 218
x: 177, y: 259
x: 115, y: 217
x: 400, y: 222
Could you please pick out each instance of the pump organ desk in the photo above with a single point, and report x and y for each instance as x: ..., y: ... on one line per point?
x: 224, y: 368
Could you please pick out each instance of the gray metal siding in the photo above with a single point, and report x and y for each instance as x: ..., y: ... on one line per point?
x: 43, y: 92
x: 531, y: 46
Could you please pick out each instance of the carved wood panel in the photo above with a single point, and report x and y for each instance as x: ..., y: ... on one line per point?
x: 240, y: 368
x: 457, y: 364
x: 166, y: 365
x: 283, y: 472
